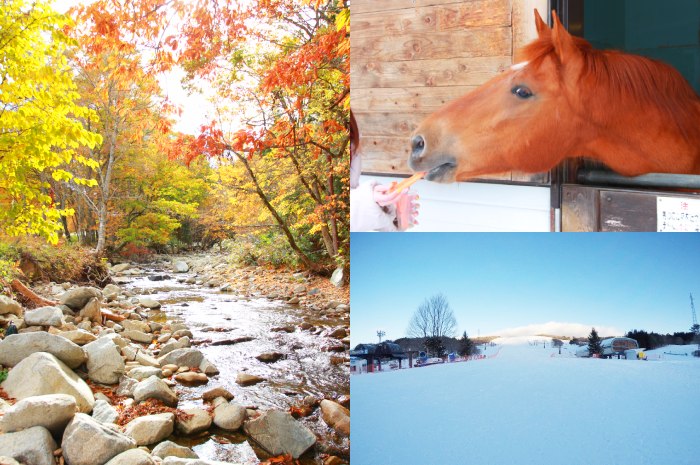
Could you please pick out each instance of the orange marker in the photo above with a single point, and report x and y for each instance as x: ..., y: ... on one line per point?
x: 408, y: 182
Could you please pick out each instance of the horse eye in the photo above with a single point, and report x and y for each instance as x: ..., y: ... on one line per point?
x: 522, y: 92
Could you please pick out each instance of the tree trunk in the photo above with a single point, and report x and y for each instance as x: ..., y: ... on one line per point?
x: 280, y: 221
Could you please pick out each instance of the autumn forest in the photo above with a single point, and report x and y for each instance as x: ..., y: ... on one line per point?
x: 90, y: 151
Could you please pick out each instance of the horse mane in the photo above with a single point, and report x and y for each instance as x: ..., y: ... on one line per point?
x: 635, y: 79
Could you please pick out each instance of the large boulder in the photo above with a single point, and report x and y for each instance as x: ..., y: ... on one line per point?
x: 185, y: 357
x: 33, y: 446
x: 336, y: 416
x: 44, y: 316
x: 149, y: 303
x: 42, y: 373
x: 279, y: 433
x: 88, y: 442
x: 136, y: 325
x: 92, y: 310
x: 103, y: 412
x: 52, y: 411
x: 78, y: 336
x: 132, y: 457
x: 181, y: 266
x: 155, y: 388
x: 150, y: 429
x: 141, y: 373
x: 174, y: 344
x: 138, y: 336
x: 104, y: 364
x: 79, y: 297
x: 9, y: 306
x: 197, y: 420
x: 179, y: 461
x: 228, y: 416
x: 170, y: 449
x: 17, y: 347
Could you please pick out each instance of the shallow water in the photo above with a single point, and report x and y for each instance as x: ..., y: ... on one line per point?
x: 305, y: 370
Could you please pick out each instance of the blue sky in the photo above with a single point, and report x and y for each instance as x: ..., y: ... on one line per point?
x: 499, y: 281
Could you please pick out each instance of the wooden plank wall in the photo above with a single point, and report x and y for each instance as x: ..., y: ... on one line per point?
x: 409, y: 57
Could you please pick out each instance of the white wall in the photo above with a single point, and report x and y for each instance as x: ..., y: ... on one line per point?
x: 478, y: 207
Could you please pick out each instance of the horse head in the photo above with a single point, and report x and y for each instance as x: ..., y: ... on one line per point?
x: 564, y: 100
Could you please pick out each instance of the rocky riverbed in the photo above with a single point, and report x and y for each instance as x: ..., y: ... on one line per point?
x: 183, y: 360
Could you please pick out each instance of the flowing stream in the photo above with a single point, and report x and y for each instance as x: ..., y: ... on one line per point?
x: 305, y: 370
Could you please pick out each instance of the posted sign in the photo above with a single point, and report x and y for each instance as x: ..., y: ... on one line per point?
x: 677, y: 214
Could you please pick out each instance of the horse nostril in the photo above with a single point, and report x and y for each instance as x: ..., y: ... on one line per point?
x: 417, y: 146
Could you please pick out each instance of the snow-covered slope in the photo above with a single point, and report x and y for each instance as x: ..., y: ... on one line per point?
x: 530, y: 405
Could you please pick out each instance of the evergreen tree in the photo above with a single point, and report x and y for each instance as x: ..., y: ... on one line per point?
x: 466, y: 346
x: 594, y: 343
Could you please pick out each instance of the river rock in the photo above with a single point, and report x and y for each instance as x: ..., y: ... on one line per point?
x: 149, y: 303
x: 132, y: 457
x: 42, y: 373
x: 111, y: 289
x: 229, y: 416
x: 52, y: 411
x: 192, y: 377
x: 269, y: 357
x: 33, y: 446
x: 337, y: 277
x: 87, y: 442
x: 104, y: 413
x: 174, y: 344
x: 150, y: 429
x: 4, y: 460
x: 198, y: 422
x: 215, y: 392
x: 181, y: 266
x: 16, y: 347
x: 138, y: 336
x: 77, y: 298
x: 146, y: 360
x: 105, y: 364
x: 118, y: 268
x: 244, y: 379
x: 155, y: 388
x: 9, y: 306
x: 339, y: 333
x: 336, y: 416
x: 185, y: 357
x: 78, y: 336
x: 170, y: 449
x: 179, y: 461
x: 92, y: 310
x: 279, y: 433
x: 141, y: 373
x: 44, y: 316
x: 126, y: 386
x: 136, y: 325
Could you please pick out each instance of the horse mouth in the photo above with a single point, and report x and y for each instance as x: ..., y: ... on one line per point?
x: 444, y: 172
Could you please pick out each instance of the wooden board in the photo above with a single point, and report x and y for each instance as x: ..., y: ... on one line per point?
x: 480, y: 42
x: 427, y: 73
x: 395, y: 99
x: 381, y: 6
x: 448, y: 17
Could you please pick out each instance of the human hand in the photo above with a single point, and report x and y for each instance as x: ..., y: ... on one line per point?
x: 384, y: 196
x: 407, y: 211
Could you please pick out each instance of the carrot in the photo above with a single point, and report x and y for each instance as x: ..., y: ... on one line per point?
x: 408, y: 182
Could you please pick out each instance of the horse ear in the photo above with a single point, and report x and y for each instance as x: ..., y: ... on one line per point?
x: 541, y: 26
x: 564, y: 45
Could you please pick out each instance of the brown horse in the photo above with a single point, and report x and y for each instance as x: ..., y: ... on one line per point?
x: 566, y: 100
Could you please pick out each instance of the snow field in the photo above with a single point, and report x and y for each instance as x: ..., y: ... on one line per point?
x: 530, y: 405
